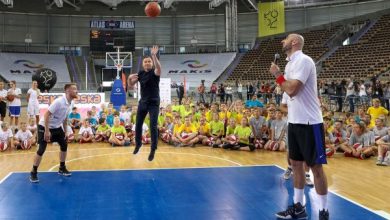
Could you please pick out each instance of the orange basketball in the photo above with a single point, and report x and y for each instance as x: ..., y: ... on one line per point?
x: 152, y: 9
x: 10, y: 97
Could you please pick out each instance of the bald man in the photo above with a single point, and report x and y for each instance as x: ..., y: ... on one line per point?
x: 306, y: 140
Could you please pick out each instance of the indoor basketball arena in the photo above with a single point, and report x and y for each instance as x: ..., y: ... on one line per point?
x: 195, y: 109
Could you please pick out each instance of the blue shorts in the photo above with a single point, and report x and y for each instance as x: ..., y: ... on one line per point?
x: 14, y: 111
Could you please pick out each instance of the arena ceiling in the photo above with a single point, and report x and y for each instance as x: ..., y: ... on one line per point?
x: 135, y: 7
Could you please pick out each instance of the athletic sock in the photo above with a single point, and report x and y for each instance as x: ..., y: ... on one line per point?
x: 323, y: 201
x: 299, y: 196
x: 35, y: 169
x: 62, y: 164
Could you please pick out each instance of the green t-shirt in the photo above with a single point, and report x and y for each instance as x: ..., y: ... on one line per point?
x: 229, y: 130
x: 216, y: 127
x: 243, y: 133
x: 197, y: 116
x: 103, y: 128
x: 118, y: 130
x: 179, y: 108
x: 160, y: 120
x: 133, y: 118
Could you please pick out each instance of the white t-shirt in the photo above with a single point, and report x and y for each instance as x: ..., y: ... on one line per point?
x: 350, y: 89
x: 145, y: 128
x: 3, y: 94
x: 5, y: 135
x: 60, y: 110
x: 32, y: 128
x: 285, y: 98
x: 69, y: 130
x: 16, y: 101
x: 85, y: 129
x: 304, y: 107
x: 33, y: 97
x: 362, y: 90
x: 125, y: 116
x: 239, y: 88
x: 23, y: 135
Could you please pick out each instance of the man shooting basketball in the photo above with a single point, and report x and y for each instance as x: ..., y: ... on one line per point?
x: 149, y: 79
x: 305, y: 126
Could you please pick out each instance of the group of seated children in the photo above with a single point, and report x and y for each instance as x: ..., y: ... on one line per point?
x: 231, y: 127
x: 24, y: 138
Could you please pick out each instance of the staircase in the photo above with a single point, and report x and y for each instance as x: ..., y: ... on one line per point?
x: 229, y: 70
x: 82, y: 72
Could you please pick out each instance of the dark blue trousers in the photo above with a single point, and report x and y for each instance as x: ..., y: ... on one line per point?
x: 144, y: 107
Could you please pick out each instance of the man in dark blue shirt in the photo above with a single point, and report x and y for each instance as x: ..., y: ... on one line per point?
x: 149, y: 79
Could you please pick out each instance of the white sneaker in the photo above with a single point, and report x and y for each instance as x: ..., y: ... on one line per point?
x: 386, y: 161
x: 379, y: 162
x: 308, y: 181
x: 287, y: 174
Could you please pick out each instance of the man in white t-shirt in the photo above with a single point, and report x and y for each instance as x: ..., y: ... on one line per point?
x: 305, y: 129
x: 52, y: 128
x: 14, y: 105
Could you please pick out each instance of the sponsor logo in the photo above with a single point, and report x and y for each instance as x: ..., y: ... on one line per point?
x: 194, y: 64
x: 32, y: 67
x: 81, y: 98
x: 29, y: 64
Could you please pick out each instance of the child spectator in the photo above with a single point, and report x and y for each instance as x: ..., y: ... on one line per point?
x: 102, y: 131
x: 6, y: 139
x: 85, y: 133
x: 23, y: 139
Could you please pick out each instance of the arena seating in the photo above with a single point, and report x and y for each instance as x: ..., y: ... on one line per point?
x: 255, y: 64
x: 367, y: 57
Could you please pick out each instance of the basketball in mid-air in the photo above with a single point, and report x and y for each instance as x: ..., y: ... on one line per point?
x: 152, y: 9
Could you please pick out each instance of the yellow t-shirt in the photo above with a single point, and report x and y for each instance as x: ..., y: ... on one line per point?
x: 375, y: 113
x: 204, y: 129
x: 239, y: 117
x: 176, y: 128
x: 187, y: 129
x: 222, y: 115
x: 209, y: 116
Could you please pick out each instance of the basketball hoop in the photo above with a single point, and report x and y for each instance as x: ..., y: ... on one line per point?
x: 119, y: 66
x: 118, y: 60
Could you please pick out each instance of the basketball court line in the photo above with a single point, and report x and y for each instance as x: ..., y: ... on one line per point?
x: 378, y: 212
x: 100, y: 155
x: 8, y: 175
x: 56, y: 151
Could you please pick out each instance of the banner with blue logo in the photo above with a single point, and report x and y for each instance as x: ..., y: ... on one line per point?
x: 118, y: 94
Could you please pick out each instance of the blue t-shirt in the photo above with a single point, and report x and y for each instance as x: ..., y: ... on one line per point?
x: 110, y: 120
x: 74, y: 116
x: 253, y: 103
x: 92, y: 121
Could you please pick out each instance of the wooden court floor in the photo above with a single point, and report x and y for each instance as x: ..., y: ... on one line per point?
x: 358, y: 180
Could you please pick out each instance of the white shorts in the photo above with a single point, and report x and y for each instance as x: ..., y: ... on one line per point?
x: 33, y: 110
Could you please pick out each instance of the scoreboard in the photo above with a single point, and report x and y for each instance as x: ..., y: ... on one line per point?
x: 104, y: 33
